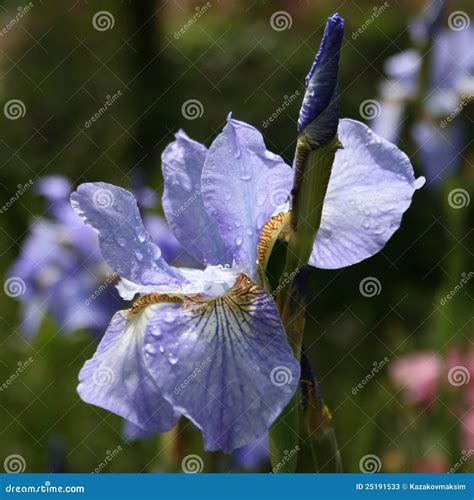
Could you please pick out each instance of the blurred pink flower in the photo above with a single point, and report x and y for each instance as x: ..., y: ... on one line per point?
x: 433, y: 464
x: 418, y: 374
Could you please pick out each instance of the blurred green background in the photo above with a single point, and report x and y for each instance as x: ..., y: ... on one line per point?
x: 230, y: 60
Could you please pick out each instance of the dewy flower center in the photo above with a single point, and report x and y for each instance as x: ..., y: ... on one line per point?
x: 214, y: 280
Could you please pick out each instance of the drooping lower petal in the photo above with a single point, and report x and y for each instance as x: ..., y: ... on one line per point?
x: 124, y: 242
x: 370, y: 187
x: 243, y: 184
x: 116, y: 377
x: 224, y: 363
x: 183, y: 161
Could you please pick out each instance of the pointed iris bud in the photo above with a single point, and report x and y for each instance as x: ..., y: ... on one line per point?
x: 319, y: 114
x: 317, y: 144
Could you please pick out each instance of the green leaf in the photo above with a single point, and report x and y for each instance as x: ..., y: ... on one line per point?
x: 284, y: 438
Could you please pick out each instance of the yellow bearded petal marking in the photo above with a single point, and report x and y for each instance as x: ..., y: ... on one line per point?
x: 230, y: 312
x: 153, y: 298
x: 275, y: 227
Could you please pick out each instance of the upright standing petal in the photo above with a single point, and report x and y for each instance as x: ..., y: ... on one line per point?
x: 370, y: 188
x: 116, y: 377
x: 183, y: 161
x: 243, y: 184
x: 319, y: 112
x: 125, y: 244
x: 224, y: 363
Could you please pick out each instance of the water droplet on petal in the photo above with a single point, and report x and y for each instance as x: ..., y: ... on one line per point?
x: 366, y: 223
x: 238, y: 241
x: 261, y: 199
x: 249, y: 231
x: 246, y: 176
x: 141, y: 235
x: 121, y: 242
x: 150, y: 349
x: 162, y: 349
x: 172, y: 359
x: 156, y: 331
x: 138, y: 256
x: 156, y: 252
x: 169, y: 318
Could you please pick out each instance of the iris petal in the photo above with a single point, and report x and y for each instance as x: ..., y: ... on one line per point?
x: 125, y: 244
x: 370, y: 188
x: 116, y: 377
x: 224, y: 363
x: 183, y: 161
x: 243, y: 184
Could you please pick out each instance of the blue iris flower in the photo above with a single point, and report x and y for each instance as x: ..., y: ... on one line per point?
x: 207, y: 343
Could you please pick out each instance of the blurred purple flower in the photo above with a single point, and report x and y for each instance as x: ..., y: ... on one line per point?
x: 439, y: 133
